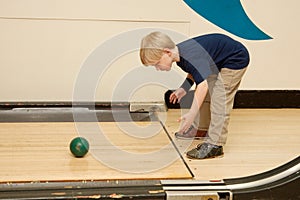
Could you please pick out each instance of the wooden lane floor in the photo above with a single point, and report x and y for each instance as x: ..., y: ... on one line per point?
x: 36, y: 152
x: 259, y: 140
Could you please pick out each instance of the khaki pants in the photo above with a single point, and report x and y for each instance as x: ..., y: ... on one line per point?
x: 215, y: 110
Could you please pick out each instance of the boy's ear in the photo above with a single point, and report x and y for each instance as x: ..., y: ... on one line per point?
x: 167, y: 51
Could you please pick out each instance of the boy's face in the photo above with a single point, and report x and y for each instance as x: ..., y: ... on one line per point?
x: 165, y: 63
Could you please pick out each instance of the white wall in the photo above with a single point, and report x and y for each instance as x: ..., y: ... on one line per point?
x: 44, y: 44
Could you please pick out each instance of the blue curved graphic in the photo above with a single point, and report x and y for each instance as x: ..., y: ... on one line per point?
x: 228, y: 15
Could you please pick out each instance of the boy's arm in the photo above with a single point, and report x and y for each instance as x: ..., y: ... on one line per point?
x: 190, y: 77
x: 176, y: 96
x: 199, y: 96
x: 188, y: 83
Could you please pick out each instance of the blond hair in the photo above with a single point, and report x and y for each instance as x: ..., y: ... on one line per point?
x: 152, y: 47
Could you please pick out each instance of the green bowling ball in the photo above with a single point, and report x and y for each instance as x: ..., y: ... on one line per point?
x: 79, y: 147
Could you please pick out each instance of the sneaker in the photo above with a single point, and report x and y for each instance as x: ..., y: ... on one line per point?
x: 192, y: 133
x: 205, y: 150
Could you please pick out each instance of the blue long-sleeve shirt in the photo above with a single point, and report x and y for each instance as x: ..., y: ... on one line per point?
x: 207, y: 54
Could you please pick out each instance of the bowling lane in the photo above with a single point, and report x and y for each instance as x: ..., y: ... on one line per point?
x: 37, y: 152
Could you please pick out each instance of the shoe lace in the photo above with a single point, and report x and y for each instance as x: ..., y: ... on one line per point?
x: 187, y: 132
x: 203, y: 146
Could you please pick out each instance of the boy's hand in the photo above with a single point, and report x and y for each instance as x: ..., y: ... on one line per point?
x: 176, y: 96
x: 186, y: 122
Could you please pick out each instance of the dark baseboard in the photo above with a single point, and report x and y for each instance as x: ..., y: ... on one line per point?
x: 251, y: 99
x: 267, y: 99
x: 243, y: 99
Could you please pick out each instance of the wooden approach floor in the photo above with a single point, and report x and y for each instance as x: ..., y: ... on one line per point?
x: 259, y: 140
x: 35, y: 152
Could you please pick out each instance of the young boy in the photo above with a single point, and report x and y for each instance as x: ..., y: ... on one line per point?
x: 215, y: 63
